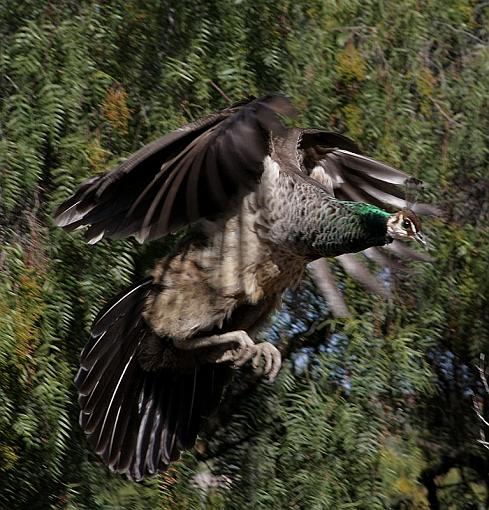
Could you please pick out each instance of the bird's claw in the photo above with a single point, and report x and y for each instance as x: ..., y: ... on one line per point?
x: 265, y: 358
x: 266, y: 361
x: 238, y: 355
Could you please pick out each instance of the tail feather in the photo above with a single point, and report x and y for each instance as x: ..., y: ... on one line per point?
x: 139, y: 421
x: 118, y: 308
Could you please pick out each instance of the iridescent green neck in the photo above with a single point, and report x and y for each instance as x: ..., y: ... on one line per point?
x: 367, y: 210
x: 372, y: 221
x: 350, y: 227
x: 311, y: 223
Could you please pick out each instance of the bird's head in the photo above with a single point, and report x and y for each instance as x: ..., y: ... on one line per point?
x: 404, y: 225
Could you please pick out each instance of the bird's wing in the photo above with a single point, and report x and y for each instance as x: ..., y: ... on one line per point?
x: 200, y: 170
x: 337, y: 164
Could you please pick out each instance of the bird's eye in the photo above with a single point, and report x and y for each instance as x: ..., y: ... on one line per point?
x: 406, y: 224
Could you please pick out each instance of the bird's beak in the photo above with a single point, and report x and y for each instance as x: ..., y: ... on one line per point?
x: 420, y: 238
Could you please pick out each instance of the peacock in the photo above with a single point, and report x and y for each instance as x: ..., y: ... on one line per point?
x: 259, y: 202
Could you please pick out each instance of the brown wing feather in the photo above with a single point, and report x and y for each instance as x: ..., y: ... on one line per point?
x: 354, y: 176
x: 166, y: 184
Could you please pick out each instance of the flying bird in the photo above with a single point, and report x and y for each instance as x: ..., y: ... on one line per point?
x: 260, y: 201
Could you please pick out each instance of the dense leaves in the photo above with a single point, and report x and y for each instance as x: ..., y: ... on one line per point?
x: 370, y: 412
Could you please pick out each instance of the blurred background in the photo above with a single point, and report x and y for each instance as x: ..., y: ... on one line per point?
x: 373, y: 411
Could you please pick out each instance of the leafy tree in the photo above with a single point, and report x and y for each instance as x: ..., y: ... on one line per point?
x: 370, y: 412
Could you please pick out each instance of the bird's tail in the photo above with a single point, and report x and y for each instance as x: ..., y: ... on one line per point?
x: 139, y: 421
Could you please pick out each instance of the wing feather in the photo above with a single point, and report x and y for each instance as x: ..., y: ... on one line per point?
x: 160, y: 188
x: 355, y: 176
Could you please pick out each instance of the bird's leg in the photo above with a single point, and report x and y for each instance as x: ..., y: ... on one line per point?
x: 234, y: 346
x: 238, y: 348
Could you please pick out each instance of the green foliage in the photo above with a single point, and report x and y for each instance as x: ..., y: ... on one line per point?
x: 368, y: 413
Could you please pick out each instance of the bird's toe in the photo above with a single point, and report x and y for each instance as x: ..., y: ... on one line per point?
x: 266, y: 361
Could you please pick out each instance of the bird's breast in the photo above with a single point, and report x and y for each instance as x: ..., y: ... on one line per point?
x: 203, y: 283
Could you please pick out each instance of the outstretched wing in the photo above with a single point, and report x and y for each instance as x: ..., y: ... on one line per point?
x: 337, y: 163
x: 200, y: 170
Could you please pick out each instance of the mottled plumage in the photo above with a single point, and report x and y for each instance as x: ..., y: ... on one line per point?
x: 262, y: 202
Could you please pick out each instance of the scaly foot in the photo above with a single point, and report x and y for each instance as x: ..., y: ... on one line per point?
x: 266, y: 361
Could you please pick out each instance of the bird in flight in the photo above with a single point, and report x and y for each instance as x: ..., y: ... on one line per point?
x: 260, y: 201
